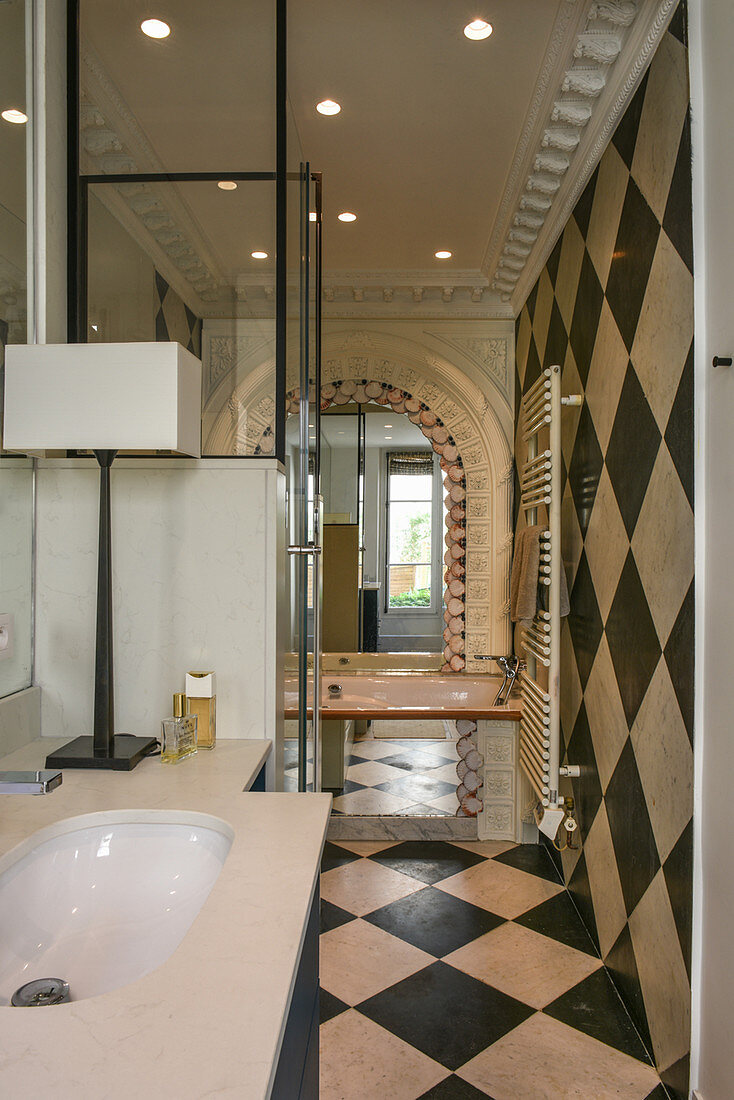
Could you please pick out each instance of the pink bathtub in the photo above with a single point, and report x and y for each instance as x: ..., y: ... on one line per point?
x: 407, y: 695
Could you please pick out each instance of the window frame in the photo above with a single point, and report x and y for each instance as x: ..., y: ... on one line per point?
x: 436, y: 502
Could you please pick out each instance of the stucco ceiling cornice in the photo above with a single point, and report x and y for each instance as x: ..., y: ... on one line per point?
x: 561, y: 146
x: 572, y: 17
x: 112, y: 142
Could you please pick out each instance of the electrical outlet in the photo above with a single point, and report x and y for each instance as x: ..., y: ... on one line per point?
x: 6, y: 636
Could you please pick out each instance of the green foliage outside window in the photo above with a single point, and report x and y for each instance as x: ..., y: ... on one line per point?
x: 416, y: 597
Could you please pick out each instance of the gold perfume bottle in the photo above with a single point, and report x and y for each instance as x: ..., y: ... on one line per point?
x: 179, y: 733
x: 201, y: 689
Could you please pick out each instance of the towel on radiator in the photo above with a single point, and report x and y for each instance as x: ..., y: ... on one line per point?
x: 525, y: 599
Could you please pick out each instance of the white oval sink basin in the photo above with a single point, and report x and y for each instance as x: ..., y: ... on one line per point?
x: 102, y: 899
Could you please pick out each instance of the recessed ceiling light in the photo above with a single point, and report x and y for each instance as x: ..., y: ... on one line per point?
x: 312, y: 216
x: 443, y: 255
x: 14, y: 115
x: 155, y: 28
x: 477, y: 30
x: 259, y: 255
x: 328, y: 107
x: 387, y: 425
x: 388, y: 437
x: 227, y: 185
x: 346, y: 216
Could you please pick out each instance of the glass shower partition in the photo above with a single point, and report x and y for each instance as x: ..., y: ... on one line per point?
x: 303, y: 440
x: 184, y: 231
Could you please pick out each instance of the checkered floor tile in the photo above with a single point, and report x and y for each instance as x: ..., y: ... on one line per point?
x: 412, y: 777
x: 454, y: 971
x: 290, y: 761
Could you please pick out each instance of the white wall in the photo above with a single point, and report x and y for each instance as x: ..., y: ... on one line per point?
x: 712, y: 41
x: 196, y: 553
x: 20, y: 719
x: 16, y: 533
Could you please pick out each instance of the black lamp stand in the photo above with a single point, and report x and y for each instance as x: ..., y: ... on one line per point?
x: 104, y: 750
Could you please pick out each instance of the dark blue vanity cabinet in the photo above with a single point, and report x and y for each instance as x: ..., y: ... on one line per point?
x: 258, y: 783
x: 297, y: 1075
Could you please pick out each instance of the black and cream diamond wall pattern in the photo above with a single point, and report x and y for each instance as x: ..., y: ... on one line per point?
x: 614, y: 306
x: 174, y: 320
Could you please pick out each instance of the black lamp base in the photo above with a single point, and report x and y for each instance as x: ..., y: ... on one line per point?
x: 126, y: 754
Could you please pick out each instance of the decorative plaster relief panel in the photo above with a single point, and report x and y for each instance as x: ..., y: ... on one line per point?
x: 496, y: 822
x: 499, y: 783
x: 477, y: 615
x: 499, y: 749
x: 478, y: 507
x: 500, y: 816
x: 477, y: 534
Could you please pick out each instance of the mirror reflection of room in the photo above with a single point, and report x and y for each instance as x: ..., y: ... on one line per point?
x: 382, y: 493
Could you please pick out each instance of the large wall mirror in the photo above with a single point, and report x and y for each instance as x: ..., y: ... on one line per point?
x: 16, y: 473
x: 383, y: 532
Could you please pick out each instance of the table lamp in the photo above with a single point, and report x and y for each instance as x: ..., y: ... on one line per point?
x: 104, y: 398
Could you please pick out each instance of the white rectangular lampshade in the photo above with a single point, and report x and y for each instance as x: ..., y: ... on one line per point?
x: 113, y: 397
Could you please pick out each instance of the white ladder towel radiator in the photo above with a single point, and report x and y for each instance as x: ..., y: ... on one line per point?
x: 540, y: 488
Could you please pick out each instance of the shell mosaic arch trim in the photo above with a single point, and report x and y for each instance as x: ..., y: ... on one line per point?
x: 470, y: 770
x: 364, y: 391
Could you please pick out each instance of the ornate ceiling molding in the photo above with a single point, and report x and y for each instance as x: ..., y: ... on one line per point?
x: 570, y: 18
x: 562, y: 144
x: 423, y: 294
x: 112, y: 142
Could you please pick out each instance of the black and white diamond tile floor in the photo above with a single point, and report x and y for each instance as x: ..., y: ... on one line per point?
x: 456, y: 971
x: 413, y: 777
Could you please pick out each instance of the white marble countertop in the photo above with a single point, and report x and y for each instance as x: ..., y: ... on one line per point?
x: 209, y: 1021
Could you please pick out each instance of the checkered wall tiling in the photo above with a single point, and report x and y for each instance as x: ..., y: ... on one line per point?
x: 174, y: 320
x: 614, y: 306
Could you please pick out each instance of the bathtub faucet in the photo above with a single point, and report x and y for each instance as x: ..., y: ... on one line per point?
x: 509, y: 666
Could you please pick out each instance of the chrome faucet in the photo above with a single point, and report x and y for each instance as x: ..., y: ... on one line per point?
x: 39, y: 782
x: 509, y: 666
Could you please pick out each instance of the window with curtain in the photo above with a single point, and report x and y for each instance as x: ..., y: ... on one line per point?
x: 409, y: 502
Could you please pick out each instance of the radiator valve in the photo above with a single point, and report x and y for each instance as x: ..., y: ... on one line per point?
x: 548, y: 819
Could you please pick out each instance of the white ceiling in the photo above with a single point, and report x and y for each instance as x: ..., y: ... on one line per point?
x: 420, y: 150
x: 341, y: 430
x: 436, y: 146
x: 428, y: 126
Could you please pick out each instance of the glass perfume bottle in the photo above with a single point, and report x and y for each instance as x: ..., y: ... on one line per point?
x: 201, y: 691
x: 178, y: 733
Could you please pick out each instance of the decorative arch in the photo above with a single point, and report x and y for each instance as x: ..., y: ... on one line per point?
x: 242, y: 421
